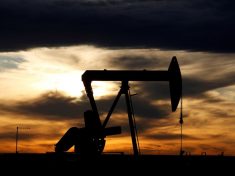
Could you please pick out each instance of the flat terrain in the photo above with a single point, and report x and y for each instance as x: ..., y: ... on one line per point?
x: 113, y: 164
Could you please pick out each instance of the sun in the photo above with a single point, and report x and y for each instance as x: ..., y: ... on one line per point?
x: 71, y: 84
x: 67, y: 82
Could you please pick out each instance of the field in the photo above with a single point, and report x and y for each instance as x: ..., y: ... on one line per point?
x: 113, y: 164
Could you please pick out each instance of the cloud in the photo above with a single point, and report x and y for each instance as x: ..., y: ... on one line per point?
x: 56, y: 106
x: 201, y: 72
x: 50, y: 105
x: 28, y: 136
x: 8, y: 62
x: 136, y: 61
x: 7, y: 135
x: 192, y: 87
x: 143, y: 108
x: 221, y: 109
x: 190, y: 25
x: 169, y: 136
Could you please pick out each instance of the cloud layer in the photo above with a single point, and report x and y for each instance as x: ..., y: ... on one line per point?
x: 56, y: 106
x: 189, y: 25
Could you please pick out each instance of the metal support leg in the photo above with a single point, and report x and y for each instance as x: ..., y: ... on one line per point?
x: 112, y: 108
x: 125, y: 88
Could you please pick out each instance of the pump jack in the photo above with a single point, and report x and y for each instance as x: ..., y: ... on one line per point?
x: 90, y: 139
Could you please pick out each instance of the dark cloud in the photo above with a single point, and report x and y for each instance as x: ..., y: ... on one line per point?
x: 8, y: 62
x: 127, y: 62
x: 169, y: 136
x: 201, y: 72
x: 56, y: 106
x: 192, y: 87
x: 138, y: 62
x: 143, y: 108
x: 7, y: 135
x: 51, y: 106
x: 29, y: 136
x: 12, y: 136
x: 206, y: 25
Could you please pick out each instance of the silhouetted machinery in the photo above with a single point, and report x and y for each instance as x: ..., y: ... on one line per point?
x: 90, y: 140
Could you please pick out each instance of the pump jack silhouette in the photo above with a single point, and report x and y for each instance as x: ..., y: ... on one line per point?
x: 90, y: 140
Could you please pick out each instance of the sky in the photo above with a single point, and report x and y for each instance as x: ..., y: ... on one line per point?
x: 46, y: 46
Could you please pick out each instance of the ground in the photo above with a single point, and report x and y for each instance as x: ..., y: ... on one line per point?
x: 115, y: 164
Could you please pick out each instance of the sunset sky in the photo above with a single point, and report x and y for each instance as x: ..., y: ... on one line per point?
x: 45, y: 47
